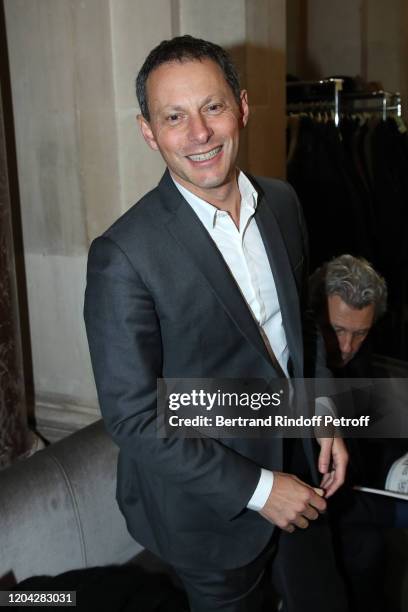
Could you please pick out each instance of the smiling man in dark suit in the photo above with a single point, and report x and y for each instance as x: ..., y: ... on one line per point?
x: 204, y: 278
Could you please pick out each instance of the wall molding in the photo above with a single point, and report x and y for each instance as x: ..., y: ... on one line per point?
x: 57, y: 418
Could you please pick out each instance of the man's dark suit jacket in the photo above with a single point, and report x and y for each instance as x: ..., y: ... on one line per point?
x: 161, y: 302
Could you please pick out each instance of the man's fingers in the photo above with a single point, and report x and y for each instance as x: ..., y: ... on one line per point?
x: 316, y: 500
x: 301, y: 522
x: 318, y: 490
x: 332, y: 464
x: 310, y: 513
x: 340, y: 460
x: 325, y: 454
x: 292, y: 503
x: 326, y: 481
x: 336, y: 482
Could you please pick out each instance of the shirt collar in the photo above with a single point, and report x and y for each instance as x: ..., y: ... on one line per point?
x: 207, y: 213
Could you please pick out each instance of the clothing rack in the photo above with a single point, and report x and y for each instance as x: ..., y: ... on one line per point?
x: 374, y: 101
x: 328, y: 94
x: 315, y: 95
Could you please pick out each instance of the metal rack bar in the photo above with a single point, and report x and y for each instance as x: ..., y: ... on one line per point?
x: 313, y: 91
x: 329, y: 94
x: 390, y: 102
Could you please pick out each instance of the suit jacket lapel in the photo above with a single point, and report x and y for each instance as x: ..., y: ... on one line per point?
x: 189, y: 232
x: 187, y: 229
x: 283, y: 276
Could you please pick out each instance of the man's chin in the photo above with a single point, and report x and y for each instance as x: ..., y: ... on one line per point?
x: 212, y: 181
x: 343, y: 361
x: 347, y: 359
x: 193, y: 183
x: 340, y: 362
x: 205, y: 179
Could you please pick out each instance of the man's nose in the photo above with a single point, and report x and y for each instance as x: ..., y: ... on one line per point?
x: 199, y: 130
x: 346, y: 343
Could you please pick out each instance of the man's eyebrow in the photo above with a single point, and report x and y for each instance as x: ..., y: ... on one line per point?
x: 171, y: 107
x: 212, y: 98
x: 360, y: 330
x: 178, y: 107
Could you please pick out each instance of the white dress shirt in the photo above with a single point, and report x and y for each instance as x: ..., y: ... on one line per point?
x: 244, y: 253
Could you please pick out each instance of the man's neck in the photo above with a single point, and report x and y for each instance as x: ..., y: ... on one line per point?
x: 225, y: 197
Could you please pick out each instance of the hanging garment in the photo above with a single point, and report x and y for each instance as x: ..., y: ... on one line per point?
x: 330, y: 193
x: 352, y: 182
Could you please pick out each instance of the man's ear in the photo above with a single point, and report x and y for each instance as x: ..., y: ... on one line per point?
x: 244, y: 107
x: 147, y: 132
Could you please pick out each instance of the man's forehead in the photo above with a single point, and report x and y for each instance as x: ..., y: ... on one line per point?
x: 186, y: 73
x: 347, y: 316
x: 185, y: 65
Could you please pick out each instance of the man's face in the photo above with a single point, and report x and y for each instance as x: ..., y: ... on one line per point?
x: 195, y: 123
x: 345, y: 329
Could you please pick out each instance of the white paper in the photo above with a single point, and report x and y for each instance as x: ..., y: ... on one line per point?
x: 383, y: 492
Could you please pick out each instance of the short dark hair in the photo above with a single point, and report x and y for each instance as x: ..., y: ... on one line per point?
x: 353, y: 279
x: 180, y: 49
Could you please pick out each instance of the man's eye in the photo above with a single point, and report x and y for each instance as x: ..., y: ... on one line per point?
x: 173, y: 118
x: 215, y: 108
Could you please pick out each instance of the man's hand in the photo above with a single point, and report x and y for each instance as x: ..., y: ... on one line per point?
x: 292, y: 503
x: 333, y: 459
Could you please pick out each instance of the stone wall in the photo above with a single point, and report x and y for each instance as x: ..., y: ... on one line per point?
x: 13, y: 416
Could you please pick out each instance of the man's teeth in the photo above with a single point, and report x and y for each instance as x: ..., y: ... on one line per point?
x: 205, y: 156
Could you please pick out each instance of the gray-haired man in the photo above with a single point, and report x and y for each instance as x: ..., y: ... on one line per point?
x: 347, y: 297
